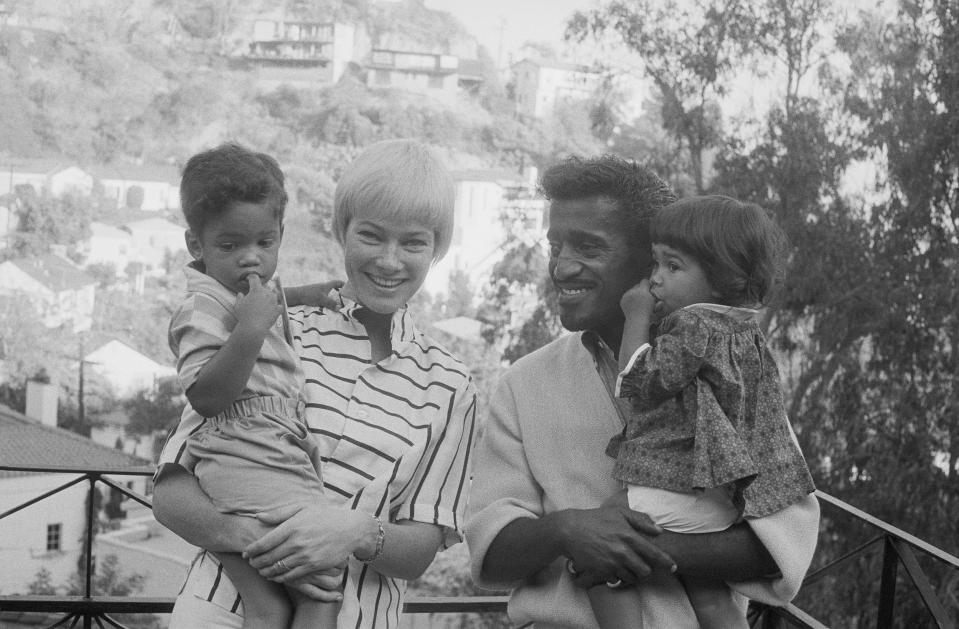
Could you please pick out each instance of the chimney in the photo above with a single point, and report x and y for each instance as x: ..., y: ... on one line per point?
x: 42, y: 400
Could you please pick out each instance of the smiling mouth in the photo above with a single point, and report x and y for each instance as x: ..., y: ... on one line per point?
x: 385, y: 283
x: 572, y: 292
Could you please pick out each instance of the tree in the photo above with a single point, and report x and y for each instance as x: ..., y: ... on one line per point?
x: 688, y: 50
x: 157, y: 410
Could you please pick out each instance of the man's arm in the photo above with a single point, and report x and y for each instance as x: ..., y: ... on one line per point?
x: 735, y: 554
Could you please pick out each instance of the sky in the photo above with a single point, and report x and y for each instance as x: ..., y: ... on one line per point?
x: 511, y: 21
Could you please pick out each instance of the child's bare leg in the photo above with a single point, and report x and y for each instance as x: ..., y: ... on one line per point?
x: 616, y: 608
x: 265, y: 604
x: 312, y: 614
x: 714, y: 604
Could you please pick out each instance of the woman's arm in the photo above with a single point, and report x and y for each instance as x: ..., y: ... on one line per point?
x: 180, y: 504
x: 312, y: 294
x: 314, y: 538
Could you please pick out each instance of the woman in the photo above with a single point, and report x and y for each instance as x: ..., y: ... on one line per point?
x: 392, y: 414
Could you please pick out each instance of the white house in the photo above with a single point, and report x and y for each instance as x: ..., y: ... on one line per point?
x: 61, y: 292
x: 539, y: 85
x: 54, y: 176
x: 153, y: 240
x: 49, y: 533
x: 109, y: 245
x: 150, y: 187
x: 127, y: 370
x: 483, y: 199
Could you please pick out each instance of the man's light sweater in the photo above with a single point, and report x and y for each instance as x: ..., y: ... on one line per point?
x: 543, y: 450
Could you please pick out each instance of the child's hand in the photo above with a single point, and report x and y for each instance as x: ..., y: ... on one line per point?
x: 259, y: 307
x: 638, y: 301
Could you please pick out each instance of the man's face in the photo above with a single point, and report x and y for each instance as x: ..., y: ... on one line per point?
x: 591, y: 264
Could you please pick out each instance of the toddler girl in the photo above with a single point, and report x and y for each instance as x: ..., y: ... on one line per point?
x: 708, y: 442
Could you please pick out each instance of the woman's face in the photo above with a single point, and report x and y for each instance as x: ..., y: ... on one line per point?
x: 386, y: 260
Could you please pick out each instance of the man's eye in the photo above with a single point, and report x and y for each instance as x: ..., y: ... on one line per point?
x: 554, y: 249
x: 673, y: 266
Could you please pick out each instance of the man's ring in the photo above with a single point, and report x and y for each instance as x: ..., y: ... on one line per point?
x: 279, y: 566
x: 570, y: 568
x: 614, y: 584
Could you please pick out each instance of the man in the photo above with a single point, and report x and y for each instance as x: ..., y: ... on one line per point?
x: 539, y: 521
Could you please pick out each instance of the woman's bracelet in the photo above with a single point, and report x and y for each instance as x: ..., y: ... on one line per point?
x: 380, y: 541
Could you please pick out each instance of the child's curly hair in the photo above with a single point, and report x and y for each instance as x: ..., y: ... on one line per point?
x: 740, y: 248
x: 214, y: 180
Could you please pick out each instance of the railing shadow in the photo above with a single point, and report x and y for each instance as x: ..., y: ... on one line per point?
x: 898, y: 549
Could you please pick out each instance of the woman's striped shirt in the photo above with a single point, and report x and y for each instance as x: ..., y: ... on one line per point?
x: 395, y: 437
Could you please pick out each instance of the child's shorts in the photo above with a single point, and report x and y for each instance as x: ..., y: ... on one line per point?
x: 703, y: 511
x: 255, y: 456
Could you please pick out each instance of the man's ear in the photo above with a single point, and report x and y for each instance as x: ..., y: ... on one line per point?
x: 193, y: 244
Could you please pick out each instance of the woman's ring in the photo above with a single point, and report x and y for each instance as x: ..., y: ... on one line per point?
x: 570, y: 568
x: 614, y: 584
x: 279, y: 566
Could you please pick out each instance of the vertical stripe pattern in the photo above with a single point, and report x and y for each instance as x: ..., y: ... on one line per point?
x: 395, y: 438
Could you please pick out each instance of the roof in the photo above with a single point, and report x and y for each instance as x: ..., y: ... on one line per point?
x: 163, y: 173
x: 28, y: 442
x: 154, y: 224
x: 36, y: 165
x: 54, y: 272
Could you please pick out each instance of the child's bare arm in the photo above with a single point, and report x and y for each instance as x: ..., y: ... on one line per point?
x: 224, y: 376
x: 312, y: 294
x: 637, y: 304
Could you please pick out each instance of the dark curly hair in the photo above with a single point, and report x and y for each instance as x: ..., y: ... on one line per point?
x: 637, y: 192
x: 738, y: 245
x: 216, y: 179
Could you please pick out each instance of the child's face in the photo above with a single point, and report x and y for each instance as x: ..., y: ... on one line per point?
x: 243, y: 241
x: 677, y: 280
x: 386, y: 260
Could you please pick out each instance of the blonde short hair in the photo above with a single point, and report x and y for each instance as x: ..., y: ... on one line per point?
x: 397, y: 179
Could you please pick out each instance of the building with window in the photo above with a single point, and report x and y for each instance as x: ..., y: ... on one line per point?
x: 47, y: 534
x: 414, y: 71
x: 538, y: 85
x: 302, y: 53
x: 61, y: 292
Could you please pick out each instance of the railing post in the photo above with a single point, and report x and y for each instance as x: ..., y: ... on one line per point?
x: 88, y: 545
x: 887, y: 586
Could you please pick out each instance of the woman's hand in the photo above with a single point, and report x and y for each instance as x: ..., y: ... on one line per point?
x: 312, y: 294
x: 307, y: 539
x: 320, y: 586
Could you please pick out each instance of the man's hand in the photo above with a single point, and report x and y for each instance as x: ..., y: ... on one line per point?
x: 611, y: 543
x: 259, y: 307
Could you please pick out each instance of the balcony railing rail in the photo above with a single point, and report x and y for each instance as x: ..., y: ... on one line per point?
x: 898, y: 548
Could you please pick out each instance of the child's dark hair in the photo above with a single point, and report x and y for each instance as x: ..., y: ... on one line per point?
x: 740, y: 248
x: 216, y: 179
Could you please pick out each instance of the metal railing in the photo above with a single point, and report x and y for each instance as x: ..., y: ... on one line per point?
x: 898, y: 548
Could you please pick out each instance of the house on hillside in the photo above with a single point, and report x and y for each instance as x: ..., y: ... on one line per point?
x: 125, y: 369
x: 56, y: 177
x: 539, y: 85
x: 109, y: 245
x: 153, y: 241
x: 303, y: 53
x: 491, y: 207
x: 149, y: 187
x: 48, y: 534
x: 414, y: 71
x: 61, y: 293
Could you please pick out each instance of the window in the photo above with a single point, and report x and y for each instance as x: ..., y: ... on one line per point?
x: 53, y: 537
